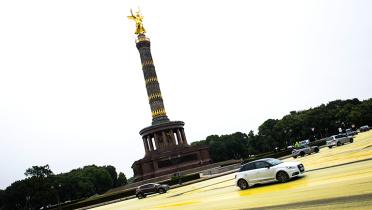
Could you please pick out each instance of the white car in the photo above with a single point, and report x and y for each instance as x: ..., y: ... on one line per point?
x: 267, y: 170
x: 338, y: 140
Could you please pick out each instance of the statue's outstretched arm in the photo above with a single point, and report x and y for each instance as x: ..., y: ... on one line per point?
x: 132, y: 17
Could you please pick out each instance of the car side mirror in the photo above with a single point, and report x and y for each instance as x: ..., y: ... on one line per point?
x: 268, y: 167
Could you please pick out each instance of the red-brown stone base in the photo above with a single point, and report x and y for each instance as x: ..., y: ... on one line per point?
x: 158, y: 163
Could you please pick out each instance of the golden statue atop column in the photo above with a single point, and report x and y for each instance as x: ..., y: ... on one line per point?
x: 138, y: 19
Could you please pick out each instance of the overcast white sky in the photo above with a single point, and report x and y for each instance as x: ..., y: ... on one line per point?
x: 72, y: 91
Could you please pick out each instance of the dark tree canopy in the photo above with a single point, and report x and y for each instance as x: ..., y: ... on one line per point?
x: 2, y: 194
x: 42, y: 187
x: 112, y: 171
x: 122, y: 180
x: 39, y: 171
x: 273, y: 134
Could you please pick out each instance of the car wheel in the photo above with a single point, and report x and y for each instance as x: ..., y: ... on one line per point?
x: 316, y: 149
x: 243, y: 184
x: 351, y: 140
x: 140, y: 195
x: 302, y: 154
x: 338, y: 144
x: 282, y: 176
x: 161, y: 190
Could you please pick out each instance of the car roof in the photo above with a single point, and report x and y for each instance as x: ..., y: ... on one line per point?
x: 146, y: 184
x: 263, y: 159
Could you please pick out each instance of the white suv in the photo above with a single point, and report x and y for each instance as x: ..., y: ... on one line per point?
x: 267, y: 170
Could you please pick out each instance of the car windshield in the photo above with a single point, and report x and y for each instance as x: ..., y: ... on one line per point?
x: 274, y: 161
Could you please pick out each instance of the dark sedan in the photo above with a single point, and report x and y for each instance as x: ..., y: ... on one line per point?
x: 151, y: 188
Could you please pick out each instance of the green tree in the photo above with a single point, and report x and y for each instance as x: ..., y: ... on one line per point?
x: 122, y: 180
x: 42, y: 186
x: 39, y: 171
x: 314, y: 123
x: 99, y: 177
x: 2, y: 196
x: 112, y: 171
x: 131, y: 180
x: 217, y: 150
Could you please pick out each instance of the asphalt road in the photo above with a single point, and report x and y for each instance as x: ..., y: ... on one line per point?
x: 338, y: 178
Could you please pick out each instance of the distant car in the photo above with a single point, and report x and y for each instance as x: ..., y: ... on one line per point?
x: 267, y: 170
x: 304, y: 142
x: 304, y: 150
x: 350, y: 132
x: 338, y: 140
x: 364, y: 128
x: 151, y: 188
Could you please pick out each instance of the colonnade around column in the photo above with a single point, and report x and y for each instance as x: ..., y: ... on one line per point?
x: 164, y: 139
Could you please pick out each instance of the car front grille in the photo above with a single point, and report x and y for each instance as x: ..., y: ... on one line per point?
x: 301, y: 168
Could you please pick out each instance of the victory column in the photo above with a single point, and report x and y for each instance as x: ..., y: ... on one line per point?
x: 166, y: 147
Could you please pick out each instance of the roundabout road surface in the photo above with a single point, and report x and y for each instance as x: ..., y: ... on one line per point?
x: 336, y: 178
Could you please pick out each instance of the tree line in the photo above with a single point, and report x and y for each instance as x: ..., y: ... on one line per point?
x: 278, y: 134
x: 42, y: 188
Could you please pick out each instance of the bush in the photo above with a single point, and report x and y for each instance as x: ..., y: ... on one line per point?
x: 318, y: 143
x: 101, y: 199
x: 105, y: 198
x: 176, y: 180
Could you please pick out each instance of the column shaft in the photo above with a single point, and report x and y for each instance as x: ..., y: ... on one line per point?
x: 152, y: 85
x: 156, y: 141
x: 183, y: 136
x: 179, y: 138
x: 146, y: 145
x: 172, y: 137
x: 165, y: 140
x: 150, y: 143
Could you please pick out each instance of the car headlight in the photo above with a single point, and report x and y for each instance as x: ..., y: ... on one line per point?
x: 290, y: 167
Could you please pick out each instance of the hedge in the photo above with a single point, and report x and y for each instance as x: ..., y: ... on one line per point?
x: 123, y: 194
